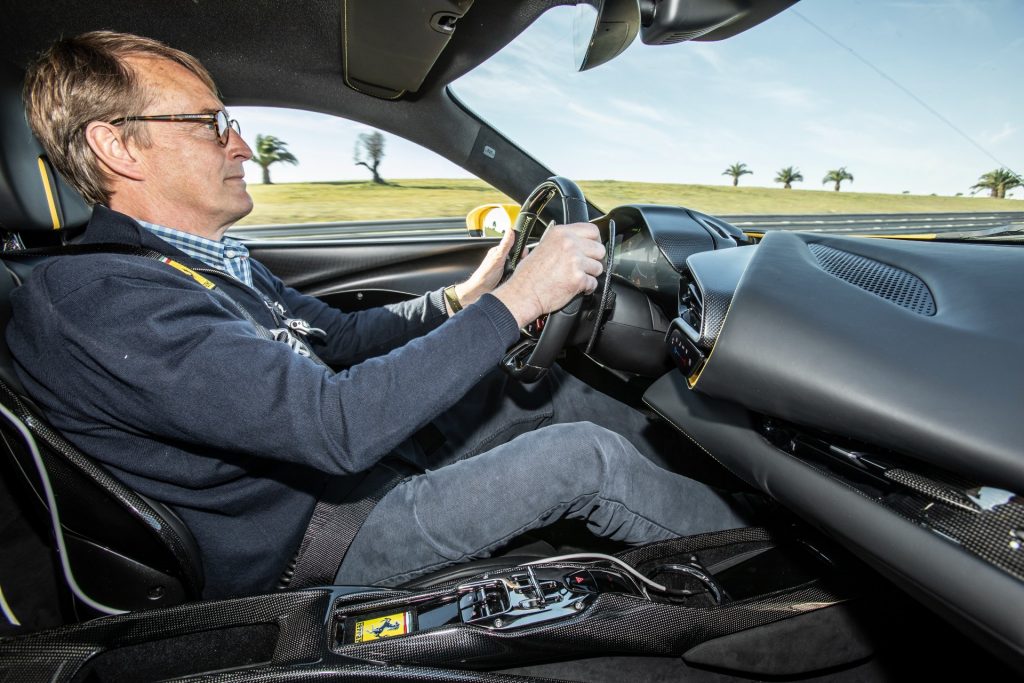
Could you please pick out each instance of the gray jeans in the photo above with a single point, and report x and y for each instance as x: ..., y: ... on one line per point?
x: 517, y: 458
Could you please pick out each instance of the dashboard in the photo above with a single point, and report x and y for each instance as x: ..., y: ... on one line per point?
x: 872, y: 386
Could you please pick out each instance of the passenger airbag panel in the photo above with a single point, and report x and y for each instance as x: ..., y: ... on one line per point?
x: 859, y: 358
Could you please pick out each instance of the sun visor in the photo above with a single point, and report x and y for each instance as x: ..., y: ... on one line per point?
x: 390, y: 47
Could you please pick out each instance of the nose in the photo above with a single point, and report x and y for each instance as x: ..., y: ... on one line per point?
x: 237, y: 147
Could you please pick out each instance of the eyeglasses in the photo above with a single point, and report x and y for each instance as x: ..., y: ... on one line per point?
x: 220, y: 120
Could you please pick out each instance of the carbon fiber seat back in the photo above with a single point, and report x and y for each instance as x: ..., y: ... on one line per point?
x: 121, y: 551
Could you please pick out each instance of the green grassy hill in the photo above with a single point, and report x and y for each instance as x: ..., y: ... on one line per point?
x: 436, y: 198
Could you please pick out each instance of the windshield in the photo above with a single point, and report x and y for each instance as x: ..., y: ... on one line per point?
x: 831, y: 107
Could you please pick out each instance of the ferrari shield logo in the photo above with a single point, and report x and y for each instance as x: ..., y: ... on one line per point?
x: 382, y: 627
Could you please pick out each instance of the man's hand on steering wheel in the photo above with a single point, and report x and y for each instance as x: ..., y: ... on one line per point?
x: 488, y: 274
x: 566, y: 262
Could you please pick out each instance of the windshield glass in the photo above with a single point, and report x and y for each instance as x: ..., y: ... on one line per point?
x: 830, y: 107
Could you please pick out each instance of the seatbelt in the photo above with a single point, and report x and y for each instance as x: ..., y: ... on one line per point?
x: 337, y: 517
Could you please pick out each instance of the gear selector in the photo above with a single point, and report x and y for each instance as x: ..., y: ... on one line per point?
x: 534, y: 594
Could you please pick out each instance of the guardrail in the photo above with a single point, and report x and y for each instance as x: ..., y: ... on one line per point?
x: 893, y: 223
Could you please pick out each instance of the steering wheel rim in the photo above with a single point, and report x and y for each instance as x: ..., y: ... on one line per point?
x: 530, y: 359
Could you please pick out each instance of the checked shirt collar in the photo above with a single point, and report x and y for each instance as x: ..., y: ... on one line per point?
x: 229, y: 255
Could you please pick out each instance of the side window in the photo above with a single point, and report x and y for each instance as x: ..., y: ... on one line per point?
x: 319, y: 176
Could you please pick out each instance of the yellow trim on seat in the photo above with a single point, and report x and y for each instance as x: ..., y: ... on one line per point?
x: 50, y: 199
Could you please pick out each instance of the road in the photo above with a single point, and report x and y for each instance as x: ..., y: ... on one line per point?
x: 905, y: 223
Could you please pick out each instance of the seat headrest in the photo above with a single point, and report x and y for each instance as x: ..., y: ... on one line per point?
x: 33, y: 197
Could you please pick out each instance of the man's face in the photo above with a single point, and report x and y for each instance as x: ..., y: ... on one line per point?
x: 189, y: 176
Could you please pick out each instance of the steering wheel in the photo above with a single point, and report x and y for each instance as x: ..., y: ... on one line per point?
x: 531, y: 358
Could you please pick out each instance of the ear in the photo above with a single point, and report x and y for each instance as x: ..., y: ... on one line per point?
x: 107, y: 143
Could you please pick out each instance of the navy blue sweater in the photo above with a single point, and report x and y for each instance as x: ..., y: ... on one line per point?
x: 167, y: 385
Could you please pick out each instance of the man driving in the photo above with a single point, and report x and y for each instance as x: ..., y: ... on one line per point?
x: 202, y: 381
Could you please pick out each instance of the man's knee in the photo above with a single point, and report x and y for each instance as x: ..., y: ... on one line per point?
x: 582, y: 452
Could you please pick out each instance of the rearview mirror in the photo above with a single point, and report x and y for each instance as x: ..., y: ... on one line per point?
x: 491, y: 220
x: 602, y: 30
x: 666, y: 22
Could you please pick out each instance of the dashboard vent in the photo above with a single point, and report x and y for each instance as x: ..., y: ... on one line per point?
x: 693, y: 307
x: 892, y: 284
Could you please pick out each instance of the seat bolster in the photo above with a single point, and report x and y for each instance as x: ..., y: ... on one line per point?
x: 33, y: 198
x: 8, y: 281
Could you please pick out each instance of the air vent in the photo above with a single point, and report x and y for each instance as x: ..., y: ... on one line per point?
x: 884, y: 281
x: 692, y: 307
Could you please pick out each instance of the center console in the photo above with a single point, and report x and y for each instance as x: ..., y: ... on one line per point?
x: 678, y: 597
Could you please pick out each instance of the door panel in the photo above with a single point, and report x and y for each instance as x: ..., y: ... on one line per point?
x: 358, y: 274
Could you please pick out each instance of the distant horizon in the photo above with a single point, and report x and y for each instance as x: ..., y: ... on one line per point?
x: 983, y: 194
x: 419, y: 198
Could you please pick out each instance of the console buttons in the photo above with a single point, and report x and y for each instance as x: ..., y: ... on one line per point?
x: 599, y: 580
x: 687, y: 357
x: 581, y: 581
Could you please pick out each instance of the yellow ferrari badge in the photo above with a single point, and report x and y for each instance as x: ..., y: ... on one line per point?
x: 382, y: 627
x: 188, y: 271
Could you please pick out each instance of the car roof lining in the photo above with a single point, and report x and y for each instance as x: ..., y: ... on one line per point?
x: 231, y: 36
x: 272, y: 53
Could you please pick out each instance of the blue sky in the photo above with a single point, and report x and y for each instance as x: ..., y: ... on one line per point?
x: 777, y: 95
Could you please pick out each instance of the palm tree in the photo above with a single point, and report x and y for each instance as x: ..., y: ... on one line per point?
x: 998, y: 182
x: 788, y: 176
x: 736, y: 170
x: 270, y: 150
x: 837, y: 176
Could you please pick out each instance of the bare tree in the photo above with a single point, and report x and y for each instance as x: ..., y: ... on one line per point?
x: 369, y: 152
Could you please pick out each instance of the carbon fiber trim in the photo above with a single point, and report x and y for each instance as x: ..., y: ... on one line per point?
x: 613, y: 624
x: 996, y: 535
x: 66, y: 465
x: 716, y: 275
x: 308, y: 623
x: 371, y: 673
x: 58, y: 655
x: 714, y: 304
x: 931, y: 488
x: 690, y: 544
x: 892, y: 284
x: 946, y: 504
x: 678, y: 246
